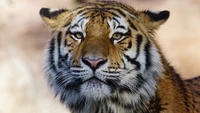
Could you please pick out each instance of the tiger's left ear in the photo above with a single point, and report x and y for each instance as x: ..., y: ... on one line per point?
x: 52, y: 16
x: 152, y: 19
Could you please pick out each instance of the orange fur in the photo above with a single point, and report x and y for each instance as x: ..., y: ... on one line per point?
x: 173, y: 95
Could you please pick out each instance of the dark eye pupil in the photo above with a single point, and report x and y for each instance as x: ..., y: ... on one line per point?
x: 117, y: 35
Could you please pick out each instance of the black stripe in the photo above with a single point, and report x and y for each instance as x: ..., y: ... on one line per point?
x: 133, y: 61
x: 156, y: 106
x: 85, y: 9
x: 66, y: 56
x: 123, y: 63
x: 116, y: 20
x: 148, y: 54
x: 65, y: 42
x: 140, y: 82
x: 132, y: 25
x: 79, y: 105
x: 63, y: 60
x: 129, y: 33
x: 81, y: 19
x: 124, y: 88
x: 182, y: 87
x: 118, y: 10
x: 138, y: 41
x: 129, y: 45
x: 51, y: 54
x: 59, y: 38
x: 113, y: 83
x: 115, y: 100
x: 113, y: 14
x: 74, y: 84
x: 120, y: 26
x: 67, y: 32
x: 67, y: 24
x: 80, y: 11
x: 85, y: 13
x: 75, y: 25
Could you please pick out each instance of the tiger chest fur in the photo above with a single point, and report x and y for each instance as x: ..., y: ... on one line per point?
x: 103, y: 58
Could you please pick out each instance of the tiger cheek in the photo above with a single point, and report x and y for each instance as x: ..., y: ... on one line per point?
x: 72, y: 47
x: 114, y: 54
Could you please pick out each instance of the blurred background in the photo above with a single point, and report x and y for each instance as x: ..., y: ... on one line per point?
x: 23, y: 37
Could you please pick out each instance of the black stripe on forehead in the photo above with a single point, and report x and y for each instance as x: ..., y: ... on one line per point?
x: 110, y: 10
x: 117, y: 10
x: 117, y: 24
x: 132, y: 25
x: 86, y: 10
x: 112, y: 13
x: 76, y: 24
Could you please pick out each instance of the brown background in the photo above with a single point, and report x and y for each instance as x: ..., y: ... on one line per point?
x: 23, y: 37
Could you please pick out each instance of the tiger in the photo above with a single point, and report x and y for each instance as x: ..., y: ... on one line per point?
x: 103, y: 57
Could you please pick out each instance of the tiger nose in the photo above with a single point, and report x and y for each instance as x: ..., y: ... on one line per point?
x: 94, y: 62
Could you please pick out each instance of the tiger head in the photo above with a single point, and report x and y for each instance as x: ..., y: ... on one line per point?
x: 102, y: 50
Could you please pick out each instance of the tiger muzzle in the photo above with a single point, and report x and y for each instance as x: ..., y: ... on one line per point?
x: 94, y: 62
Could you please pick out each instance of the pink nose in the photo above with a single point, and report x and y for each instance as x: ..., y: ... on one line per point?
x: 93, y: 63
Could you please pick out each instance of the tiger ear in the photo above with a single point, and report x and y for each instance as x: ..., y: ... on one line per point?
x: 52, y: 16
x: 153, y: 19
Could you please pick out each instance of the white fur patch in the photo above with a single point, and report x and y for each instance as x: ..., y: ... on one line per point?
x: 79, y: 25
x: 120, y: 21
x: 51, y: 10
x: 154, y: 11
x: 95, y: 90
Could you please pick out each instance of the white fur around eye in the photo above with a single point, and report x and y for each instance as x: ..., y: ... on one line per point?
x: 79, y: 25
x: 120, y: 22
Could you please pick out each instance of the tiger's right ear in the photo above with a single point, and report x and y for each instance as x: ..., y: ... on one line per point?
x: 52, y: 16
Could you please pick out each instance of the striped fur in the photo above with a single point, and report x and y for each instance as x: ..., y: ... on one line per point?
x: 131, y: 75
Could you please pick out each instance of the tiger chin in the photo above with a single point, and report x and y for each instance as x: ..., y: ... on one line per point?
x: 103, y: 58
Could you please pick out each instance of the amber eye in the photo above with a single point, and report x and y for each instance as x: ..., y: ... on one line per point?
x: 117, y: 36
x: 78, y: 35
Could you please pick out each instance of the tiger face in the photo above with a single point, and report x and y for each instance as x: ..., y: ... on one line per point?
x: 103, y: 50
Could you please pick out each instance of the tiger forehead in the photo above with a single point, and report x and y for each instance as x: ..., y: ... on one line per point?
x: 107, y: 5
x: 98, y: 26
x: 104, y: 12
x: 109, y: 8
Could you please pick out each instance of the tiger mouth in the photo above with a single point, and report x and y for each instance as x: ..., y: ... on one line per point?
x: 94, y: 80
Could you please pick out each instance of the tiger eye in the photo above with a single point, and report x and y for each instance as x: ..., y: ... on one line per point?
x: 78, y: 35
x: 117, y: 36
